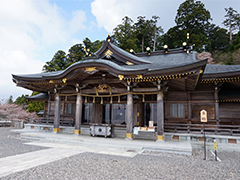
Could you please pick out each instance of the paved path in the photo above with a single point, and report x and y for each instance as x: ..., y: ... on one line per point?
x: 20, y: 162
x: 101, y: 149
x: 107, y: 145
x: 66, y: 145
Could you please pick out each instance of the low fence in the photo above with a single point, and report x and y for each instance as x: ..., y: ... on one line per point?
x: 12, y: 123
x: 232, y: 130
x: 50, y: 121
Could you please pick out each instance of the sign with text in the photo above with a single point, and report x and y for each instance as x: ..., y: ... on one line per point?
x: 203, y: 115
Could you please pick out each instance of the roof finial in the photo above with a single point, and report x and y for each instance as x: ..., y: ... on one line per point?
x: 108, y: 38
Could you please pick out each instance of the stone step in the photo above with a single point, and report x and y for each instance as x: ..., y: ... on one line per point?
x: 115, y: 143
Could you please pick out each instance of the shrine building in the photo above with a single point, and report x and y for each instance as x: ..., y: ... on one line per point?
x: 159, y: 92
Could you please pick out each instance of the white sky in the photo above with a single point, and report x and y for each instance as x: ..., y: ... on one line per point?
x: 32, y: 31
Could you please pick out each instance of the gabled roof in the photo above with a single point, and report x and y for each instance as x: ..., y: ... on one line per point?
x: 109, y: 50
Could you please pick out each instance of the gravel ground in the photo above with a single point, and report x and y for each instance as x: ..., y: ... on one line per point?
x: 11, y: 144
x: 148, y: 165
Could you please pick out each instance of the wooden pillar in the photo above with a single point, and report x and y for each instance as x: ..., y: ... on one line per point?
x: 49, y: 105
x: 160, y: 117
x: 56, y: 114
x: 141, y: 114
x: 135, y: 115
x: 189, y: 111
x: 45, y: 106
x: 129, y: 120
x: 216, y: 108
x: 78, y: 114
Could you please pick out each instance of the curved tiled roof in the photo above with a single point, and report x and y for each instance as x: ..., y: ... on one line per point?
x: 218, y: 69
x: 89, y: 62
x: 127, y: 54
x: 167, y: 61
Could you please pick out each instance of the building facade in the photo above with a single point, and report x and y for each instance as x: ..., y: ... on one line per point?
x: 163, y: 90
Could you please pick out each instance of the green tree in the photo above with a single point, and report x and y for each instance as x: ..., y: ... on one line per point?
x: 174, y: 37
x: 147, y: 32
x: 218, y: 38
x: 222, y: 57
x: 10, y: 100
x: 75, y: 54
x: 35, y: 106
x: 92, y: 46
x: 125, y: 36
x: 155, y: 18
x: 192, y: 18
x: 236, y: 57
x: 232, y: 21
x: 235, y: 43
x: 21, y: 100
x: 58, y: 62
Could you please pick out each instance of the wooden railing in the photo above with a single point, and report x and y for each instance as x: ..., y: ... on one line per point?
x: 50, y: 121
x: 233, y: 130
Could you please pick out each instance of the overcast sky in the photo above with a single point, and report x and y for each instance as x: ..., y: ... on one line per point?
x: 32, y: 31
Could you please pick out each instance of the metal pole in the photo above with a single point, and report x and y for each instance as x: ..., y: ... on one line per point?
x: 215, y: 155
x: 204, y: 141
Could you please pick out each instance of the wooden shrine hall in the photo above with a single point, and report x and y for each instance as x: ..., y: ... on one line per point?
x: 161, y: 92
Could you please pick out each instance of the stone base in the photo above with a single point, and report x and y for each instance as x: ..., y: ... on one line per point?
x: 129, y: 135
x: 77, y: 131
x: 160, y: 138
x: 56, y: 130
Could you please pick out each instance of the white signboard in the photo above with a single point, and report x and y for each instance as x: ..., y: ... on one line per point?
x: 203, y: 115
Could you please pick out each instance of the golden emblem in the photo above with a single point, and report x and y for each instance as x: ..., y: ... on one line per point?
x: 108, y: 54
x: 120, y: 77
x: 102, y: 88
x: 64, y: 80
x: 91, y: 70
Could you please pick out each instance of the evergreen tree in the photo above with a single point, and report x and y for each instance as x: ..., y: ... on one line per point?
x: 75, y: 54
x: 125, y: 36
x: 218, y: 38
x: 192, y: 18
x: 10, y: 100
x: 92, y: 46
x: 232, y: 21
x: 21, y: 100
x: 35, y: 106
x: 57, y: 63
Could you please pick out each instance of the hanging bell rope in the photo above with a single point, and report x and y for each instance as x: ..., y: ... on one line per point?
x: 111, y: 101
x: 119, y: 99
x: 85, y: 99
x: 101, y: 100
x: 93, y: 99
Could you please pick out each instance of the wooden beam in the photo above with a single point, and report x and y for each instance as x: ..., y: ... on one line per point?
x: 99, y: 81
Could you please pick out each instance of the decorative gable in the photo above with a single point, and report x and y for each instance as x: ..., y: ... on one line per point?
x: 111, y: 52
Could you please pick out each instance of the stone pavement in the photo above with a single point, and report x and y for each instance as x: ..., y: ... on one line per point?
x: 20, y: 162
x: 115, y: 146
x: 66, y: 145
